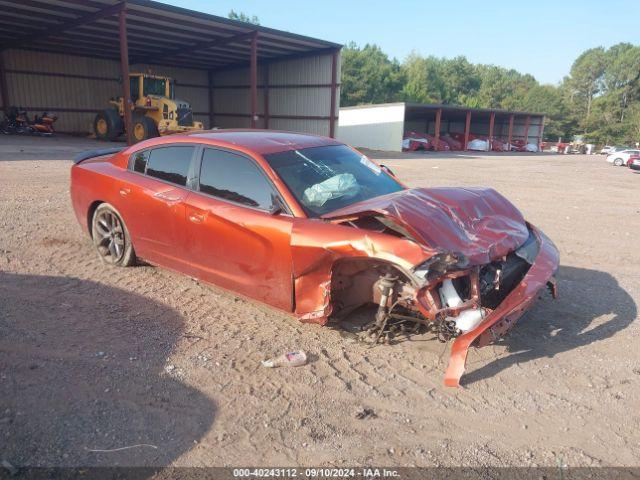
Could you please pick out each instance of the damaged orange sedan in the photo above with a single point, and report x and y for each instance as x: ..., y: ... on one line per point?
x: 313, y: 227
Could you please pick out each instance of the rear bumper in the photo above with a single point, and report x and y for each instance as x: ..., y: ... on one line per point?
x: 501, y: 320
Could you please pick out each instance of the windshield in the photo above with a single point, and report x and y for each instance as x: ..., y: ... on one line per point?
x: 154, y: 86
x: 324, y: 179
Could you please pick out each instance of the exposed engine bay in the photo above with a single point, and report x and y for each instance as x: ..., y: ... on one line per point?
x: 445, y: 295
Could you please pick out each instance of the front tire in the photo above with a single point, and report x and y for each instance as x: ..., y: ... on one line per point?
x: 111, y: 237
x: 108, y: 125
x: 144, y: 128
x: 617, y: 162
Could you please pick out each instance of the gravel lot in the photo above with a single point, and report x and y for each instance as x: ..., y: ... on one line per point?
x: 96, y: 358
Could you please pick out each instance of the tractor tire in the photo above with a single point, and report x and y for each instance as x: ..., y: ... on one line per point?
x: 108, y: 125
x: 143, y: 128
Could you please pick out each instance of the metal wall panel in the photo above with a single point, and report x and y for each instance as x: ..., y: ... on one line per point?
x: 310, y: 70
x: 316, y: 127
x: 292, y: 101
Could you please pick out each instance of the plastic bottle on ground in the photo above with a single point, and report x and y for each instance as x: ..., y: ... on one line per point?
x: 290, y: 359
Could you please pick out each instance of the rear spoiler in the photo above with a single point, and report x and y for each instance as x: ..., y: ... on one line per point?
x: 96, y: 153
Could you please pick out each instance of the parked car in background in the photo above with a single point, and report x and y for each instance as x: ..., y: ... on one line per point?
x: 606, y: 150
x: 634, y: 162
x: 621, y: 158
x: 311, y: 226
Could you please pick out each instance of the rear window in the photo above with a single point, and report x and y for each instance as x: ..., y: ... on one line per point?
x: 170, y: 164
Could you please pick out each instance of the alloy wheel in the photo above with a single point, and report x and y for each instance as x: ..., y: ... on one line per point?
x: 111, y: 239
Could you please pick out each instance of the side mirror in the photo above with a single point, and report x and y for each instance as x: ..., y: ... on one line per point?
x: 387, y: 170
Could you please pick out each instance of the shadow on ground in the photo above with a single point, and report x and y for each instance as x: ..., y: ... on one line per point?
x: 82, y: 368
x: 554, y: 327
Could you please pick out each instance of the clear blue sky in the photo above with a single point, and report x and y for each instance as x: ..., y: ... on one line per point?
x: 541, y: 37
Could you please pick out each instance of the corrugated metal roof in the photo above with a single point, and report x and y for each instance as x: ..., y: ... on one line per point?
x: 157, y: 33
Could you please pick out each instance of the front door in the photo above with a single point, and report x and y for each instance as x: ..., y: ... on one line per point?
x: 232, y: 238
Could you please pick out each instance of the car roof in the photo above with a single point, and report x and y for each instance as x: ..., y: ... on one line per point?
x: 263, y: 141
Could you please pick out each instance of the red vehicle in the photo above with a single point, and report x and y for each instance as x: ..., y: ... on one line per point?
x: 316, y: 229
x: 634, y: 162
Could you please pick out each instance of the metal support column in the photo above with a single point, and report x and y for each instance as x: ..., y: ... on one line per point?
x: 510, y: 135
x: 4, y: 90
x: 436, y: 133
x: 540, y: 131
x: 492, y: 121
x: 467, y: 130
x: 334, y: 90
x: 124, y: 71
x: 526, y: 129
x: 253, y: 73
x: 211, y: 106
x: 265, y: 94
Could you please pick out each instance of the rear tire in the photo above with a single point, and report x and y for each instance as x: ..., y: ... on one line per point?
x: 617, y: 162
x: 108, y: 125
x: 144, y: 128
x: 111, y: 237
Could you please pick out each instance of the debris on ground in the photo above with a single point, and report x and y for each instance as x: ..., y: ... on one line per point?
x: 366, y: 413
x: 291, y: 359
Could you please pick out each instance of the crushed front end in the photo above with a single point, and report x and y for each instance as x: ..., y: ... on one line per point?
x: 471, y: 304
x: 461, y: 263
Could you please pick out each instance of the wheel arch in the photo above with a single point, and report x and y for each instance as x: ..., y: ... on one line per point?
x: 353, y: 278
x: 90, y: 211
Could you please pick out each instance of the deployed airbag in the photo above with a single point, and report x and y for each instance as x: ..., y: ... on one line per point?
x: 342, y: 185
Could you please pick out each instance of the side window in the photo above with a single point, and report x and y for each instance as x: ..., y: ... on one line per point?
x: 235, y: 178
x: 138, y: 161
x: 170, y: 163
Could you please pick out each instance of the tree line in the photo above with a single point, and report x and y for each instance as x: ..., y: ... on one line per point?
x: 599, y: 98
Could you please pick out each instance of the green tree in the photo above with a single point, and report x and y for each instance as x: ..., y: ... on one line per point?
x: 585, y: 80
x: 622, y: 74
x: 423, y: 81
x: 243, y: 17
x: 368, y: 76
x: 549, y: 100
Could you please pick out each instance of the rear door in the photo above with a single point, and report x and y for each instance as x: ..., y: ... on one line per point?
x: 232, y: 238
x: 154, y: 201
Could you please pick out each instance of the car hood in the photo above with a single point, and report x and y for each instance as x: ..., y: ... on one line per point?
x: 477, y: 222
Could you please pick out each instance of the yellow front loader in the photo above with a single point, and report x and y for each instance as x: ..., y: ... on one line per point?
x: 155, y: 111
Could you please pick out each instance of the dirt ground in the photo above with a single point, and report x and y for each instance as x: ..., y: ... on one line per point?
x: 94, y: 358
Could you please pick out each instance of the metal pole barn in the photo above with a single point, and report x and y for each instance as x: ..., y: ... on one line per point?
x: 124, y: 70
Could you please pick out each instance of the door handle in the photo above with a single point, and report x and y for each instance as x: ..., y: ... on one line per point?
x: 125, y: 191
x: 168, y: 198
x: 196, y: 218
